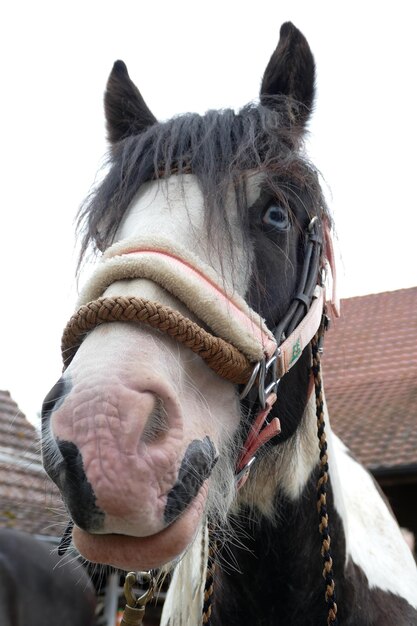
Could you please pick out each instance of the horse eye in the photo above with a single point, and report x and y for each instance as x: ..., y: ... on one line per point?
x: 277, y: 217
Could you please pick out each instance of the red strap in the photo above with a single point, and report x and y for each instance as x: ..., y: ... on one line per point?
x: 261, y: 431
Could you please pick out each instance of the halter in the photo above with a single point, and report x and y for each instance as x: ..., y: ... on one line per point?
x: 245, y: 352
x: 292, y: 334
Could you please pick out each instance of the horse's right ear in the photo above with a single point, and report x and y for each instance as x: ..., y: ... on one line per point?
x: 126, y: 111
x: 290, y: 73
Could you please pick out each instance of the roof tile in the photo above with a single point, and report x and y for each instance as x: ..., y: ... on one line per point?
x: 370, y: 377
x: 29, y: 500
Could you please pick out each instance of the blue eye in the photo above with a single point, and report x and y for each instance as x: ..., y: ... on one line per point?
x: 277, y: 217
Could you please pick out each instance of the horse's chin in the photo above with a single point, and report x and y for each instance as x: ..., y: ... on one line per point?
x: 143, y: 553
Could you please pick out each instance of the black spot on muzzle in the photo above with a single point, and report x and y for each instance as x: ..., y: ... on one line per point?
x: 197, y: 465
x: 63, y: 463
x: 78, y: 495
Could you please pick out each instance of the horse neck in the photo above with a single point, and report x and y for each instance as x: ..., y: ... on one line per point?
x: 272, y: 528
x: 272, y: 562
x: 269, y: 566
x: 285, y: 470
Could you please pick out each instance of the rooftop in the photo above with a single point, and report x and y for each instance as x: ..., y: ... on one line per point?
x: 29, y: 501
x: 370, y: 377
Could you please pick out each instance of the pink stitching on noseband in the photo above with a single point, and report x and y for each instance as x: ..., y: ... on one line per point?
x: 269, y: 346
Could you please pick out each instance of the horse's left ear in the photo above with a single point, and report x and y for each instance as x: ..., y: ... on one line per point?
x: 290, y: 73
x: 126, y: 111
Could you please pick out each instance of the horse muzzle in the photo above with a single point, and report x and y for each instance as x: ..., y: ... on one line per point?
x: 118, y: 453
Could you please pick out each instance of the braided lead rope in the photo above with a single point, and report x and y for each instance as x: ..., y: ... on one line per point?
x: 222, y: 357
x: 209, y: 582
x: 330, y: 594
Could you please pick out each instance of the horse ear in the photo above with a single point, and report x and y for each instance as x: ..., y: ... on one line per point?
x: 290, y: 73
x: 126, y: 111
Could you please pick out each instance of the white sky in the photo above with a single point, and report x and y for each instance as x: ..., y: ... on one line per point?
x: 191, y: 56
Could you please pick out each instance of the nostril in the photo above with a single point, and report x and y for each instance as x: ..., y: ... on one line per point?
x: 56, y: 396
x: 157, y: 424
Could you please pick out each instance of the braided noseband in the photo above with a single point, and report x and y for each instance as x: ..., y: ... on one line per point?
x: 226, y: 360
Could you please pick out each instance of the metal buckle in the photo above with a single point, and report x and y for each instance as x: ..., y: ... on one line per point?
x: 324, y: 326
x: 262, y: 370
x: 251, y: 381
x: 312, y: 223
x: 245, y: 469
x: 268, y: 368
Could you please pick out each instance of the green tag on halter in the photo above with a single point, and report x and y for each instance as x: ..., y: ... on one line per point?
x: 296, y: 351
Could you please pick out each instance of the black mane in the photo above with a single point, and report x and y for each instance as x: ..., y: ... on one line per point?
x: 218, y: 147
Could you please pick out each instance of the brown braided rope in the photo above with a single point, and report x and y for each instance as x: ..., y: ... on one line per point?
x: 222, y: 357
x: 330, y: 595
x: 209, y: 582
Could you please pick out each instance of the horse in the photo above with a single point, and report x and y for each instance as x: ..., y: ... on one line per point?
x: 36, y: 588
x: 189, y: 430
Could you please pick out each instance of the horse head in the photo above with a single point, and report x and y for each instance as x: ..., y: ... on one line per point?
x: 208, y: 218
